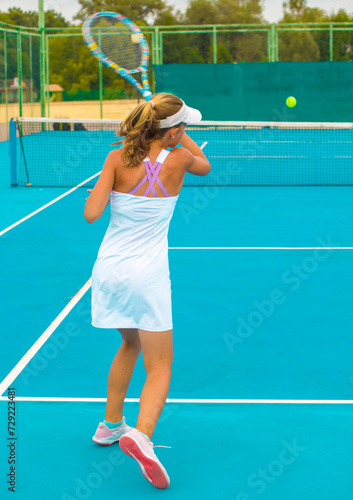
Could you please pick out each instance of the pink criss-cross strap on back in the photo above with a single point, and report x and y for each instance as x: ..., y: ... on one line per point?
x: 152, y: 172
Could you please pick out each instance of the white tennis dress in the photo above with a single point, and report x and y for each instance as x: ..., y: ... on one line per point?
x: 130, y: 279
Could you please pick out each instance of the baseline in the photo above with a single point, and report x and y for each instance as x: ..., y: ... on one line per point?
x: 197, y: 401
x: 260, y: 248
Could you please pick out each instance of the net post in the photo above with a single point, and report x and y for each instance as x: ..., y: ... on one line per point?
x: 13, y: 152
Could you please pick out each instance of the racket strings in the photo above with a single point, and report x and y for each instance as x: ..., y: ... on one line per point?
x: 117, y: 42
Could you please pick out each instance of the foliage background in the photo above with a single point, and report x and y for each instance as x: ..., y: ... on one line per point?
x: 72, y: 66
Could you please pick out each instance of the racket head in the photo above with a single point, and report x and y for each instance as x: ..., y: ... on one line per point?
x: 120, y: 45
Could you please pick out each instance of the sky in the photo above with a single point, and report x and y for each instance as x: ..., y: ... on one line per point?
x: 272, y: 8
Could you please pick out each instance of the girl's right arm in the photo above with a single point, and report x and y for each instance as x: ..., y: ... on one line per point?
x: 197, y: 163
x: 100, y: 195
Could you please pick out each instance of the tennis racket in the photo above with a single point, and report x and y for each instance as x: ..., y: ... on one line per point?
x: 120, y: 45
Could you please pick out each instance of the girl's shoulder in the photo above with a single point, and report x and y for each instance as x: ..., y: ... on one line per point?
x: 114, y: 159
x: 181, y: 157
x: 115, y: 155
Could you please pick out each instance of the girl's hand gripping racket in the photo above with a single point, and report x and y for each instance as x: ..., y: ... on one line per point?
x: 120, y: 45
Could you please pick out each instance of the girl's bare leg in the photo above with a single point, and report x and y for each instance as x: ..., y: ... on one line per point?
x: 121, y: 372
x: 157, y: 351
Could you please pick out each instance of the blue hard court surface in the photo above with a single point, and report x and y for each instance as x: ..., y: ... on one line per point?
x: 248, y: 324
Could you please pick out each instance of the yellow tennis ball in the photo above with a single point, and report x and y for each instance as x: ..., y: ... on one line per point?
x: 291, y: 102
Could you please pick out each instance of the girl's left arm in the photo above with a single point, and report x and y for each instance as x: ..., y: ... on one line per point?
x: 100, y: 196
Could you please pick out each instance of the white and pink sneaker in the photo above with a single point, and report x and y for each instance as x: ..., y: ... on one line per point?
x: 138, y: 446
x: 106, y: 436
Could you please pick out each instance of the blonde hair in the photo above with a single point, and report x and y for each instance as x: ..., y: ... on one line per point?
x: 141, y: 127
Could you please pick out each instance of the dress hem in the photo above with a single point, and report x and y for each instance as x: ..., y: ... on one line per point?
x: 149, y: 329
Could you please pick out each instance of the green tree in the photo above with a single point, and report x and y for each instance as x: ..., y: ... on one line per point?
x: 176, y: 47
x: 239, y: 47
x: 29, y: 18
x: 55, y: 20
x: 299, y: 45
x: 200, y: 12
x: 79, y: 72
x: 12, y: 71
x: 137, y: 10
x: 17, y: 16
x: 167, y: 17
x: 178, y: 50
x: 314, y: 45
x: 239, y: 11
x: 223, y: 54
x: 30, y: 45
x: 224, y: 12
x: 342, y: 39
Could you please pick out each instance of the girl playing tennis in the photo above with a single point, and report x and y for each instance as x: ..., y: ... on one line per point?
x: 130, y: 280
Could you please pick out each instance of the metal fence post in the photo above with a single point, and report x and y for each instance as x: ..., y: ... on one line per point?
x: 6, y: 83
x: 214, y: 45
x: 42, y: 57
x: 156, y: 61
x: 31, y: 73
x: 19, y: 70
x: 331, y: 42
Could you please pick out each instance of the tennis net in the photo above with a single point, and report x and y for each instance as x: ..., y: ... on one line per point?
x: 64, y: 153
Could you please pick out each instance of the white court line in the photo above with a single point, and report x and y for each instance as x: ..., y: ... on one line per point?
x: 260, y: 248
x: 194, y: 401
x: 43, y: 338
x: 48, y: 204
x: 257, y: 156
x: 58, y: 320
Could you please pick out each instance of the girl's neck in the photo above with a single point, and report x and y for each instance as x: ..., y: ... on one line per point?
x: 159, y: 144
x: 156, y: 147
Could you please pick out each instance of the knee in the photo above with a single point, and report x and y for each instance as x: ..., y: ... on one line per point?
x: 132, y: 345
x: 161, y: 369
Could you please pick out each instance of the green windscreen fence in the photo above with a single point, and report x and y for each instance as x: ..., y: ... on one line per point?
x: 258, y: 91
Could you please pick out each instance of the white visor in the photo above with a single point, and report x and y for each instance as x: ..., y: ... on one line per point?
x: 187, y: 115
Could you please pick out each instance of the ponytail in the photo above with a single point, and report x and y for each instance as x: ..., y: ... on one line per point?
x: 142, y: 126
